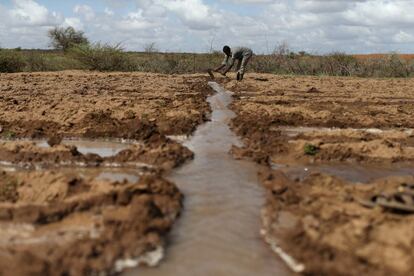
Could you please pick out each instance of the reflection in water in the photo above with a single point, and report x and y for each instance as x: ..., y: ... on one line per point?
x: 101, y: 148
x: 219, y: 231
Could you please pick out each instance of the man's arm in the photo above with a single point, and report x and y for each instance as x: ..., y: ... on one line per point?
x: 219, y: 68
x: 228, y: 68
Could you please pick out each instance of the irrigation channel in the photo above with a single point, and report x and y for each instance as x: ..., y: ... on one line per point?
x: 219, y: 231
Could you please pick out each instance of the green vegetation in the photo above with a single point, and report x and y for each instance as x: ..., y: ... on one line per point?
x: 73, y: 51
x: 66, y: 38
x: 8, y: 134
x: 11, y: 61
x: 311, y: 150
x: 102, y: 57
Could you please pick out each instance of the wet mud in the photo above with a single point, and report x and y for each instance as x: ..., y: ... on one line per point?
x: 329, y: 144
x: 81, y: 161
x: 219, y: 230
x: 54, y: 224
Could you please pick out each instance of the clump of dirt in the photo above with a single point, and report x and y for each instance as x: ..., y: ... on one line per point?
x: 28, y: 153
x: 158, y: 150
x: 101, y: 124
x: 320, y: 222
x: 62, y: 225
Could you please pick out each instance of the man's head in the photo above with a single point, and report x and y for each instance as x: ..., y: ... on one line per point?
x: 227, y: 50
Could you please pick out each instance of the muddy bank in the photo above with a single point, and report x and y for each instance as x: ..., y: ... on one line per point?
x: 266, y: 142
x: 158, y: 151
x: 322, y: 224
x: 309, y: 122
x: 89, y: 104
x: 65, y: 213
x: 55, y: 224
x: 267, y: 111
x: 326, y: 101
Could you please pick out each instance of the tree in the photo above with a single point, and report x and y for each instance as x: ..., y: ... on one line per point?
x: 151, y: 48
x: 65, y: 38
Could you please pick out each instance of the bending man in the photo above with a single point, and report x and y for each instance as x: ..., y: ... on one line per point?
x: 241, y: 54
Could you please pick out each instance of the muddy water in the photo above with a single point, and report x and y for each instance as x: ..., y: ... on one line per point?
x: 101, y: 148
x: 219, y: 231
x: 351, y: 172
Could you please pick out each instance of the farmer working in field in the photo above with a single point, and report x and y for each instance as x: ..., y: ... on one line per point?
x: 242, y: 54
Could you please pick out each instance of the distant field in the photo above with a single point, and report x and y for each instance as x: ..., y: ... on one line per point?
x: 112, y: 59
x: 379, y: 56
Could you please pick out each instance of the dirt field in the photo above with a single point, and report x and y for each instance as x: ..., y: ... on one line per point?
x: 324, y: 221
x: 59, y: 220
x: 333, y: 225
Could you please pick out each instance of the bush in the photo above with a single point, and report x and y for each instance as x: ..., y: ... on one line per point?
x: 11, y: 61
x: 102, y: 57
x: 37, y: 62
x: 64, y: 39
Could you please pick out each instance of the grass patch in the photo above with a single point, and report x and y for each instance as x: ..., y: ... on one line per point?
x: 310, y: 149
x: 8, y: 134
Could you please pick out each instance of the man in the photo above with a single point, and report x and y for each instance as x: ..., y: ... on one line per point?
x: 241, y: 54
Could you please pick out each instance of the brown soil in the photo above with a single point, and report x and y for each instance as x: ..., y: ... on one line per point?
x: 321, y: 223
x: 339, y: 102
x: 60, y: 223
x: 264, y: 108
x: 76, y: 103
x: 319, y: 220
x: 57, y: 224
x: 157, y: 151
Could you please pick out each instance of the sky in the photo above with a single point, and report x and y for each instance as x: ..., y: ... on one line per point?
x: 314, y: 26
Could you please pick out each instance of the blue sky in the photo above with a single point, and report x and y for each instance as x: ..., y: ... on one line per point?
x: 317, y: 26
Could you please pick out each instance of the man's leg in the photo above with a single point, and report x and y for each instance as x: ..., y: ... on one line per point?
x: 239, y: 63
x: 242, y: 69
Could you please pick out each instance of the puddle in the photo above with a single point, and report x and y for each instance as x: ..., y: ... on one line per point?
x: 118, y: 175
x: 179, y: 138
x: 101, y: 148
x: 219, y: 230
x: 102, y: 173
x: 295, y: 131
x: 356, y: 173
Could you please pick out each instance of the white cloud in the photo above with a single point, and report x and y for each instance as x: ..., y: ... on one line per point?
x: 108, y: 11
x: 84, y: 10
x: 73, y: 22
x: 30, y: 13
x: 194, y: 13
x: 403, y: 37
x: 190, y: 25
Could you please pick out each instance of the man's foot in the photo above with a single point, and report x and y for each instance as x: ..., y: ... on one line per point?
x: 239, y: 76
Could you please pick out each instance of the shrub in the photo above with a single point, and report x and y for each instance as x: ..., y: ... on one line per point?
x: 11, y: 61
x: 65, y: 38
x: 102, y: 57
x: 37, y: 62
